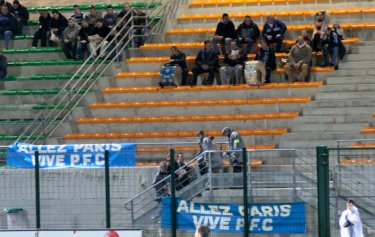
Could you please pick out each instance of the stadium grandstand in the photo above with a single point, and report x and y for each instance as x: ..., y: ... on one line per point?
x: 151, y: 118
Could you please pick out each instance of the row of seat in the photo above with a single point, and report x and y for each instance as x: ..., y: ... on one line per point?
x: 202, y: 3
x: 194, y: 148
x: 241, y: 15
x: 12, y: 137
x: 47, y: 62
x: 368, y: 130
x: 42, y: 77
x: 362, y: 145
x: 32, y: 50
x: 37, y: 92
x: 133, y: 135
x: 357, y: 162
x: 188, y: 103
x: 196, y: 118
x: 253, y: 163
x: 152, y: 89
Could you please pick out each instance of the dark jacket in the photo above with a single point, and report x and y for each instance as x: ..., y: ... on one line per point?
x: 233, y: 62
x: 207, y: 57
x: 78, y: 18
x: 44, y: 22
x: 140, y: 19
x: 179, y: 59
x: 335, y: 39
x: 3, y: 2
x: 102, y: 32
x: 84, y: 33
x: 162, y: 187
x: 248, y: 31
x: 8, y: 23
x: 3, y: 66
x: 123, y: 13
x: 21, y: 12
x: 61, y: 23
x: 278, y: 27
x: 270, y: 60
x: 226, y: 30
x: 110, y: 20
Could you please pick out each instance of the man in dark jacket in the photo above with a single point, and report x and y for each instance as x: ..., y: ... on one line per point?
x: 247, y: 33
x: 331, y: 42
x: 273, y: 32
x: 207, y: 60
x: 235, y: 143
x: 266, y: 56
x: 225, y: 33
x: 8, y: 25
x: 3, y: 66
x: 178, y: 58
x: 110, y: 19
x: 100, y: 32
x: 5, y: 3
x: 70, y: 35
x: 83, y: 40
x: 57, y: 25
x: 124, y: 11
x: 41, y: 33
x: 21, y: 13
x: 160, y: 183
x: 233, y: 68
x: 140, y: 26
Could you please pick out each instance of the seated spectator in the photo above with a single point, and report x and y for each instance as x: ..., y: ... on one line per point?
x: 140, y: 26
x: 178, y: 58
x: 273, y: 32
x: 110, y: 19
x: 247, y: 33
x: 83, y: 40
x: 232, y: 72
x: 299, y: 60
x: 207, y: 60
x: 8, y: 25
x: 57, y: 25
x: 331, y: 42
x: 225, y: 33
x: 70, y: 35
x: 340, y: 32
x: 21, y: 13
x: 321, y: 21
x: 306, y: 37
x: 78, y: 16
x: 161, y: 184
x: 41, y: 33
x: 124, y: 11
x: 5, y: 3
x: 266, y: 61
x: 3, y: 66
x: 100, y: 33
x: 93, y: 16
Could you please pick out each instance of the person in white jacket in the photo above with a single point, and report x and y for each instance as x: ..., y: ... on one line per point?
x: 350, y: 221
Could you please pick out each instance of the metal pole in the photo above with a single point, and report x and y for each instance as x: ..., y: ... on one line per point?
x: 245, y: 199
x: 173, y: 194
x: 323, y: 191
x: 294, y: 176
x: 107, y: 191
x: 37, y: 191
x: 210, y: 171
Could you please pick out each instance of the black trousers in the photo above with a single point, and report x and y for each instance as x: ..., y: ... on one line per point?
x: 70, y: 49
x: 41, y: 35
x: 199, y: 70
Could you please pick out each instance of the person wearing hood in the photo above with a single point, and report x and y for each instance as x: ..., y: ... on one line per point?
x: 70, y: 35
x: 206, y: 144
x: 235, y: 142
x: 21, y: 13
x: 247, y: 33
x: 42, y: 33
x: 8, y: 25
x: 57, y: 25
x: 299, y: 60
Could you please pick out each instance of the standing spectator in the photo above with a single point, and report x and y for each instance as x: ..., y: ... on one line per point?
x: 70, y: 39
x: 141, y: 28
x: 207, y: 60
x: 110, y: 19
x: 83, y: 40
x: 161, y: 184
x: 247, y: 32
x: 235, y: 143
x: 3, y: 66
x: 124, y: 11
x: 266, y: 61
x: 21, y: 13
x: 178, y: 58
x: 350, y: 221
x: 206, y: 144
x: 299, y: 61
x: 331, y: 43
x: 100, y: 32
x: 78, y: 16
x: 273, y: 32
x: 182, y: 172
x: 8, y: 25
x: 225, y: 33
x: 57, y: 25
x: 233, y: 69
x: 93, y: 16
x: 42, y: 32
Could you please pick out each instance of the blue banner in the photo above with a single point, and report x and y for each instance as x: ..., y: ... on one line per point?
x: 22, y: 155
x: 271, y: 218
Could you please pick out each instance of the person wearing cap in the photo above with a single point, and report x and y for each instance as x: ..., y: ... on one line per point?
x: 206, y: 144
x: 235, y: 143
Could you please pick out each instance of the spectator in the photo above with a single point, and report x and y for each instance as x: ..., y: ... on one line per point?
x: 93, y: 16
x: 331, y: 43
x: 299, y: 60
x: 140, y: 26
x: 207, y: 60
x: 42, y: 32
x: 321, y: 21
x: 206, y: 144
x: 235, y: 143
x: 247, y: 32
x: 178, y: 58
x: 100, y: 33
x: 110, y: 19
x: 4, y: 3
x: 182, y: 172
x: 3, y: 66
x: 70, y: 39
x: 124, y: 11
x: 202, y: 231
x: 57, y: 25
x: 8, y: 25
x: 83, y: 40
x: 21, y: 13
x: 78, y: 16
x: 350, y: 221
x: 273, y: 32
x: 232, y: 72
x: 225, y: 33
x: 266, y: 61
x: 306, y: 37
x: 160, y: 182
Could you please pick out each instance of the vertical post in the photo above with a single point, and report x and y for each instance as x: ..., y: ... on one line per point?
x: 294, y: 176
x: 245, y: 198
x: 210, y: 171
x: 107, y: 191
x: 173, y: 193
x: 323, y: 191
x: 37, y: 191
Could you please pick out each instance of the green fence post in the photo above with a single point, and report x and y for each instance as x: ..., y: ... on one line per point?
x: 245, y: 199
x: 323, y: 191
x: 107, y: 191
x: 37, y: 191
x: 173, y: 194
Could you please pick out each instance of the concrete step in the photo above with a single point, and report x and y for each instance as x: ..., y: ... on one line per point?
x: 36, y: 56
x: 322, y: 136
x: 359, y: 57
x: 331, y: 119
x: 34, y: 84
x: 308, y: 146
x: 338, y: 111
x: 353, y: 72
x: 358, y: 65
x: 25, y: 43
x: 341, y: 103
x: 347, y: 88
x: 357, y: 95
x: 350, y: 80
x: 347, y: 127
x: 363, y: 49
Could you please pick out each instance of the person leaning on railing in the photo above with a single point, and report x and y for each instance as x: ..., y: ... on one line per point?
x: 206, y: 144
x: 235, y: 143
x: 160, y: 182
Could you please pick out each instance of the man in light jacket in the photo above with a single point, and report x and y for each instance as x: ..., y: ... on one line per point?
x: 70, y: 39
x: 299, y: 61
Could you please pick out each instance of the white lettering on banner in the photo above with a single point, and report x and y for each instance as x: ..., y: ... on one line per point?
x: 76, y: 148
x: 201, y: 209
x: 267, y: 210
x: 213, y: 222
x: 88, y: 147
x: 97, y: 159
x: 61, y: 149
x: 60, y: 161
x: 255, y: 211
x: 224, y: 223
x: 74, y: 159
x: 183, y: 206
x: 226, y: 210
x: 254, y: 223
x: 214, y: 210
x: 240, y: 224
x: 285, y: 210
x: 266, y: 227
x: 86, y: 159
x: 99, y: 148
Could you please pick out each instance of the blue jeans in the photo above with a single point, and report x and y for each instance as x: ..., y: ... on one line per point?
x: 82, y: 50
x: 249, y: 46
x: 7, y: 35
x: 330, y: 56
x: 226, y: 42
